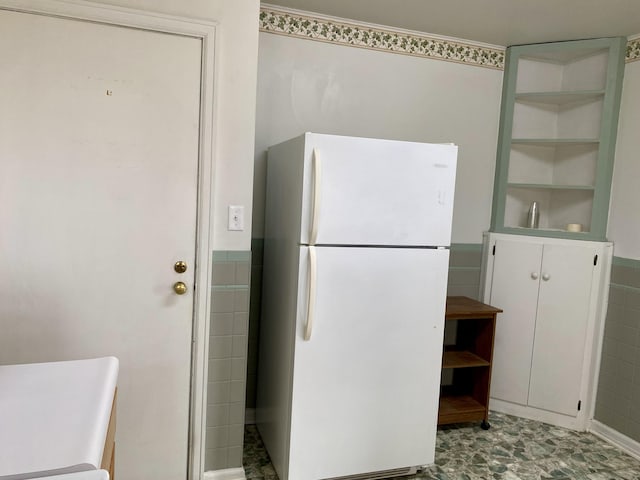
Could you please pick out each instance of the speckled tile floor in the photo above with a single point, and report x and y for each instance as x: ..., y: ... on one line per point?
x: 513, y: 449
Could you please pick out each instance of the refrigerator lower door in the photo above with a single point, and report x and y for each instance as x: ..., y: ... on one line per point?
x: 366, y: 379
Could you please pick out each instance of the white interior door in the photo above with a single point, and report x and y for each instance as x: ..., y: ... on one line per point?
x: 98, y: 187
x: 561, y: 328
x: 366, y: 383
x: 514, y: 288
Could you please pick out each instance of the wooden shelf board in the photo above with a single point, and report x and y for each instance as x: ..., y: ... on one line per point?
x: 459, y: 307
x: 462, y: 359
x: 460, y: 408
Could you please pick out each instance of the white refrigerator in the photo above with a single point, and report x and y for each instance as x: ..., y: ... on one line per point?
x: 354, y: 287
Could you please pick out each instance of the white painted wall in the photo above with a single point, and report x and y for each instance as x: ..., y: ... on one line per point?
x: 624, y: 221
x: 236, y: 53
x: 313, y: 86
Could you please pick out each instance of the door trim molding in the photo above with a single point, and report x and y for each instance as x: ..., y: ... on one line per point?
x: 206, y: 32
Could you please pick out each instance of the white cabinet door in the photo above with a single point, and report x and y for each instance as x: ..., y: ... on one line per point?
x: 368, y: 378
x: 547, y: 289
x: 514, y: 288
x: 561, y: 328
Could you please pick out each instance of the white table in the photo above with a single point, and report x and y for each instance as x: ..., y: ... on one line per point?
x: 88, y: 475
x: 54, y: 417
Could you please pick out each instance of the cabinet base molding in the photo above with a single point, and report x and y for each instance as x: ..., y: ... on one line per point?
x: 615, y: 438
x: 226, y: 474
x: 557, y: 419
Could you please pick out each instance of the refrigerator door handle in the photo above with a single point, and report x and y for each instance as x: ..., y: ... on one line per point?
x: 315, y: 211
x: 311, y: 300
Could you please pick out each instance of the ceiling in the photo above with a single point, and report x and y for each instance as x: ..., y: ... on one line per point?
x: 497, y: 22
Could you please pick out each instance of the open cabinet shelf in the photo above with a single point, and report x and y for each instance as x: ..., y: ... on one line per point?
x: 461, y: 408
x: 542, y: 186
x: 462, y: 359
x: 466, y: 362
x: 557, y: 136
x: 559, y: 98
x: 554, y: 141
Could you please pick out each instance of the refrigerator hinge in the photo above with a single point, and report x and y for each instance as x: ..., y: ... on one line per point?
x: 595, y: 260
x: 494, y: 250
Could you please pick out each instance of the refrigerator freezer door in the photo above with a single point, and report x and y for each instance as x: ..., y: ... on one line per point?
x: 360, y: 191
x: 366, y: 383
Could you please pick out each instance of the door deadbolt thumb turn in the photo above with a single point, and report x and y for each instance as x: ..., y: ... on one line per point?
x: 180, y: 288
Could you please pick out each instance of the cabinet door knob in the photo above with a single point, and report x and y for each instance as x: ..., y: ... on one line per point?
x: 534, y: 275
x: 546, y: 276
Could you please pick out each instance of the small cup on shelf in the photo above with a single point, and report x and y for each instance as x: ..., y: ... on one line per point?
x: 574, y: 227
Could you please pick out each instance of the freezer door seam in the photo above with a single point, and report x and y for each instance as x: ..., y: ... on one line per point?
x: 311, y: 301
x: 315, y: 212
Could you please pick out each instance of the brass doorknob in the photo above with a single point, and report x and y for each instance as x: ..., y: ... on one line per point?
x: 180, y: 288
x: 180, y: 266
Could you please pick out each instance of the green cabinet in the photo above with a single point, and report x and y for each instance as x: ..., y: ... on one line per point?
x: 556, y: 144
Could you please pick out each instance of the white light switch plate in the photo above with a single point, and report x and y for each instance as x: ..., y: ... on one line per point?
x: 236, y: 217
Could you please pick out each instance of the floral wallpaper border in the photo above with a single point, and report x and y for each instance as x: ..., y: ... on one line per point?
x: 633, y: 50
x: 320, y: 29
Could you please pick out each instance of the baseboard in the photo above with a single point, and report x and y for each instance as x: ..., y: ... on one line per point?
x: 629, y: 445
x: 250, y: 416
x: 557, y: 419
x: 227, y: 474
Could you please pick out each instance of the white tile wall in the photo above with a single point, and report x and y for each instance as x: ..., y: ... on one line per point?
x: 619, y: 383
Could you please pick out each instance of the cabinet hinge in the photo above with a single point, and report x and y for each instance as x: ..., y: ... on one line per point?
x: 494, y: 250
x: 579, y: 404
x: 595, y: 260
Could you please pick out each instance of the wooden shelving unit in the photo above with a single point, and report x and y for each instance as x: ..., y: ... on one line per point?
x: 466, y: 397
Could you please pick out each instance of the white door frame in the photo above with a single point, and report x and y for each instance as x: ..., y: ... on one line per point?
x: 206, y: 32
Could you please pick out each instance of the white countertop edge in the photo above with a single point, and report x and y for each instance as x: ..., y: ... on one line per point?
x: 83, y: 475
x: 107, y: 397
x: 58, y: 474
